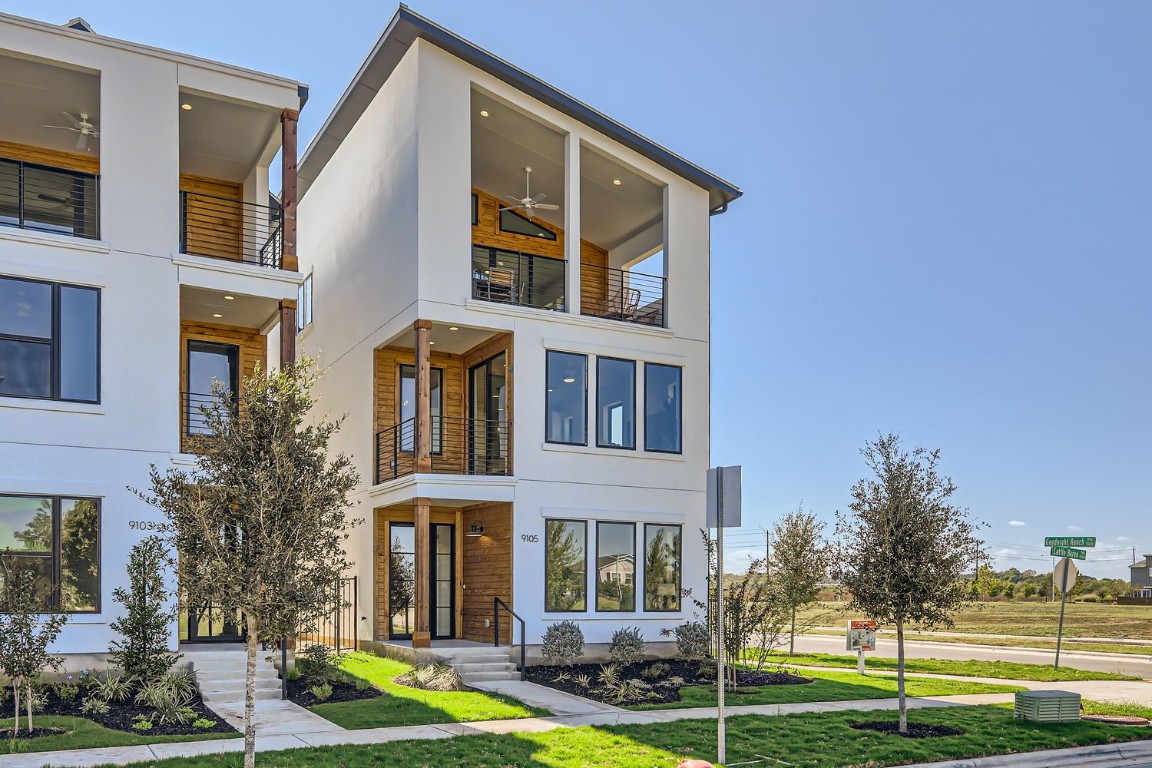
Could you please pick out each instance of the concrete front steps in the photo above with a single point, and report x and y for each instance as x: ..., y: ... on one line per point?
x: 220, y: 673
x: 480, y: 665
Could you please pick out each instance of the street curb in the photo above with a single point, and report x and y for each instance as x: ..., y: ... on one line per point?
x: 1099, y: 755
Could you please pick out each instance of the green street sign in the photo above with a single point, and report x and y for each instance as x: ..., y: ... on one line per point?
x: 1075, y: 554
x: 1069, y: 541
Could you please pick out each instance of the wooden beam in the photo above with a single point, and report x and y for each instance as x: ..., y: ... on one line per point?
x: 288, y: 120
x: 287, y: 333
x: 423, y: 329
x: 422, y: 634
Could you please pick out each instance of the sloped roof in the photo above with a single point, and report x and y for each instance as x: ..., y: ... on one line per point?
x: 408, y: 26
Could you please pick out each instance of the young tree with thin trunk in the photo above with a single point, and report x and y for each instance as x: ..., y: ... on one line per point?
x: 260, y: 525
x: 800, y: 561
x: 26, y: 631
x: 904, y: 547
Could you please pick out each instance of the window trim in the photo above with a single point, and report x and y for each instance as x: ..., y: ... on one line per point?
x: 679, y: 570
x: 547, y: 400
x: 599, y: 443
x: 631, y: 525
x: 54, y: 342
x: 587, y: 603
x: 679, y: 414
x: 56, y: 555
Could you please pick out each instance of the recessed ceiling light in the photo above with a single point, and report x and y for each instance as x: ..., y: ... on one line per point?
x: 617, y: 182
x: 453, y: 328
x: 431, y: 342
x: 229, y: 298
x: 483, y: 113
x: 217, y: 314
x: 570, y: 380
x: 186, y: 107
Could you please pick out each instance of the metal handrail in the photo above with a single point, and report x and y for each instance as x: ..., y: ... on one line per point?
x: 497, y: 604
x: 225, y: 228
x: 49, y: 199
x: 460, y: 446
x: 622, y: 294
x: 522, y: 279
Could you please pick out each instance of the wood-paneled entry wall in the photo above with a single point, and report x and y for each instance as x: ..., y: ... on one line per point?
x: 70, y: 161
x: 213, y: 217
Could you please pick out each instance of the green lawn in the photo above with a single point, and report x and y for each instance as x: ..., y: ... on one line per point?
x: 816, y: 740
x: 1005, y: 670
x: 827, y: 686
x: 83, y: 733
x: 1009, y: 642
x: 401, y: 705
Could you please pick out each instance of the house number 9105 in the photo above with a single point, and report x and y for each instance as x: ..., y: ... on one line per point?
x: 530, y: 538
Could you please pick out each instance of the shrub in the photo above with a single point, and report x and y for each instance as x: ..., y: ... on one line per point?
x: 292, y: 674
x: 203, y: 723
x: 563, y: 643
x: 112, y: 688
x: 322, y: 692
x: 149, y: 610
x: 656, y: 670
x: 318, y: 662
x: 583, y: 680
x: 692, y: 640
x: 432, y: 677
x: 142, y: 725
x: 67, y: 691
x: 94, y: 706
x: 168, y: 692
x: 627, y: 645
x: 362, y: 684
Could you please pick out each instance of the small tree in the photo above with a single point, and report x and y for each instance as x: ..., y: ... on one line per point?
x: 801, y: 559
x: 260, y: 525
x: 26, y: 631
x: 143, y: 653
x: 904, y: 546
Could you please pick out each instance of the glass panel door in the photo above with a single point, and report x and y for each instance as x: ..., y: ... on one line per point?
x: 401, y: 580
x: 443, y: 613
x: 488, y: 406
x: 208, y: 362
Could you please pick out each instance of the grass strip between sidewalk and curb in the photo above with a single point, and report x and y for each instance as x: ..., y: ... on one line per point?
x: 1004, y: 670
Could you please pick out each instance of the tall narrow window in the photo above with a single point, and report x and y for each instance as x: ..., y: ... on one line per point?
x: 567, y: 398
x: 615, y: 567
x: 401, y: 579
x: 304, y: 303
x: 615, y: 403
x: 488, y: 406
x: 662, y: 567
x: 408, y: 407
x: 662, y: 408
x: 58, y: 539
x: 49, y: 340
x: 209, y: 362
x: 565, y: 565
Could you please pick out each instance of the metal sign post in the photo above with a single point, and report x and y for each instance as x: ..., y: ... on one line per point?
x: 723, y: 490
x: 1063, y: 578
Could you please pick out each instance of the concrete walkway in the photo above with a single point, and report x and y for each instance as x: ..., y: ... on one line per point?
x: 283, y: 725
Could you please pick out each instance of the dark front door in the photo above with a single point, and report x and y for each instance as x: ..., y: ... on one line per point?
x: 402, y: 581
x: 488, y: 409
x: 211, y: 624
x: 443, y: 573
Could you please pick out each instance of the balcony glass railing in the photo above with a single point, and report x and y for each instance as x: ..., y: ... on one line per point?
x: 222, y: 228
x: 46, y: 199
x: 523, y: 279
x: 460, y: 446
x: 621, y: 294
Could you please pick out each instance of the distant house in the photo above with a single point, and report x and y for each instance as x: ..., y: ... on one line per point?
x: 1141, y: 577
x: 618, y: 568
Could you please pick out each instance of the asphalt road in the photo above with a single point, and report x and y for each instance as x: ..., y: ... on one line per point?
x: 919, y: 649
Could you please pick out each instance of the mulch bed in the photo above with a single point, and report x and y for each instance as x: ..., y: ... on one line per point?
x: 663, y: 689
x: 299, y: 692
x: 121, y: 716
x: 1116, y: 719
x: 915, y: 730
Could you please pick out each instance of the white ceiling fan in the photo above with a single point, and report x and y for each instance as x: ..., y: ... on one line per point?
x: 81, y: 126
x: 529, y: 202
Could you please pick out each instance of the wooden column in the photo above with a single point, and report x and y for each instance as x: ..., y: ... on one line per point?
x: 423, y: 330
x: 422, y: 634
x: 288, y: 119
x: 287, y: 333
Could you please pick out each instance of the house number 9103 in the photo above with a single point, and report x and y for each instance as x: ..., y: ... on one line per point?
x: 530, y: 538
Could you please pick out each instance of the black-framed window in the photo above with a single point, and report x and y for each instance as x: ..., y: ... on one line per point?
x: 58, y: 537
x: 615, y: 566
x: 615, y: 403
x: 49, y: 340
x: 566, y: 400
x: 475, y: 209
x: 401, y: 580
x: 304, y: 303
x: 663, y: 408
x: 518, y: 224
x: 565, y: 565
x: 662, y: 567
x: 47, y: 199
x: 408, y: 406
x: 209, y: 362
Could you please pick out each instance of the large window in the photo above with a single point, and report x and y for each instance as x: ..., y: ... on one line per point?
x: 401, y: 580
x: 408, y: 407
x: 518, y: 224
x: 662, y: 408
x: 49, y: 340
x: 58, y: 538
x: 567, y: 398
x: 662, y: 567
x: 565, y: 565
x: 615, y: 567
x: 615, y: 403
x: 48, y: 199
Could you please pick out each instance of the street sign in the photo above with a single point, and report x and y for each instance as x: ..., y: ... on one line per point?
x: 726, y: 480
x: 1078, y: 554
x: 1064, y: 575
x: 1069, y: 541
x: 862, y: 635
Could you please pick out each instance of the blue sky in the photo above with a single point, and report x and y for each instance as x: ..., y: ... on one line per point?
x: 945, y: 232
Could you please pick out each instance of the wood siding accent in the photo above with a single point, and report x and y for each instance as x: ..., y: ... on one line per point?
x: 487, y: 571
x: 67, y: 160
x: 387, y: 389
x: 213, y: 227
x: 253, y: 350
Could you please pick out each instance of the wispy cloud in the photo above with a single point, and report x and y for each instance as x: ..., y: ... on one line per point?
x: 1017, y: 523
x: 1075, y: 528
x: 1006, y: 553
x: 1123, y: 538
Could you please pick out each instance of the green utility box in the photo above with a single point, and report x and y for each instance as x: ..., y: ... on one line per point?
x: 1048, y: 706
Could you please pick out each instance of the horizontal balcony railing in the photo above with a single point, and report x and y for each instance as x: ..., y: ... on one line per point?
x: 46, y: 199
x: 523, y: 279
x: 194, y: 410
x: 620, y: 294
x: 460, y: 446
x: 222, y: 228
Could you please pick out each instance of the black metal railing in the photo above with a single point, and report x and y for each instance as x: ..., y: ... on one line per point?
x: 523, y: 279
x: 336, y: 625
x: 620, y: 294
x: 222, y: 228
x: 47, y: 199
x: 497, y: 604
x: 194, y: 410
x: 460, y: 446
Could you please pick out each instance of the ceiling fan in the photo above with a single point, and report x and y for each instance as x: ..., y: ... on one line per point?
x: 528, y: 202
x: 81, y: 126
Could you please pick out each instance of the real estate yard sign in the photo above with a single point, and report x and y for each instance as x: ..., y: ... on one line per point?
x: 861, y: 637
x: 723, y: 511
